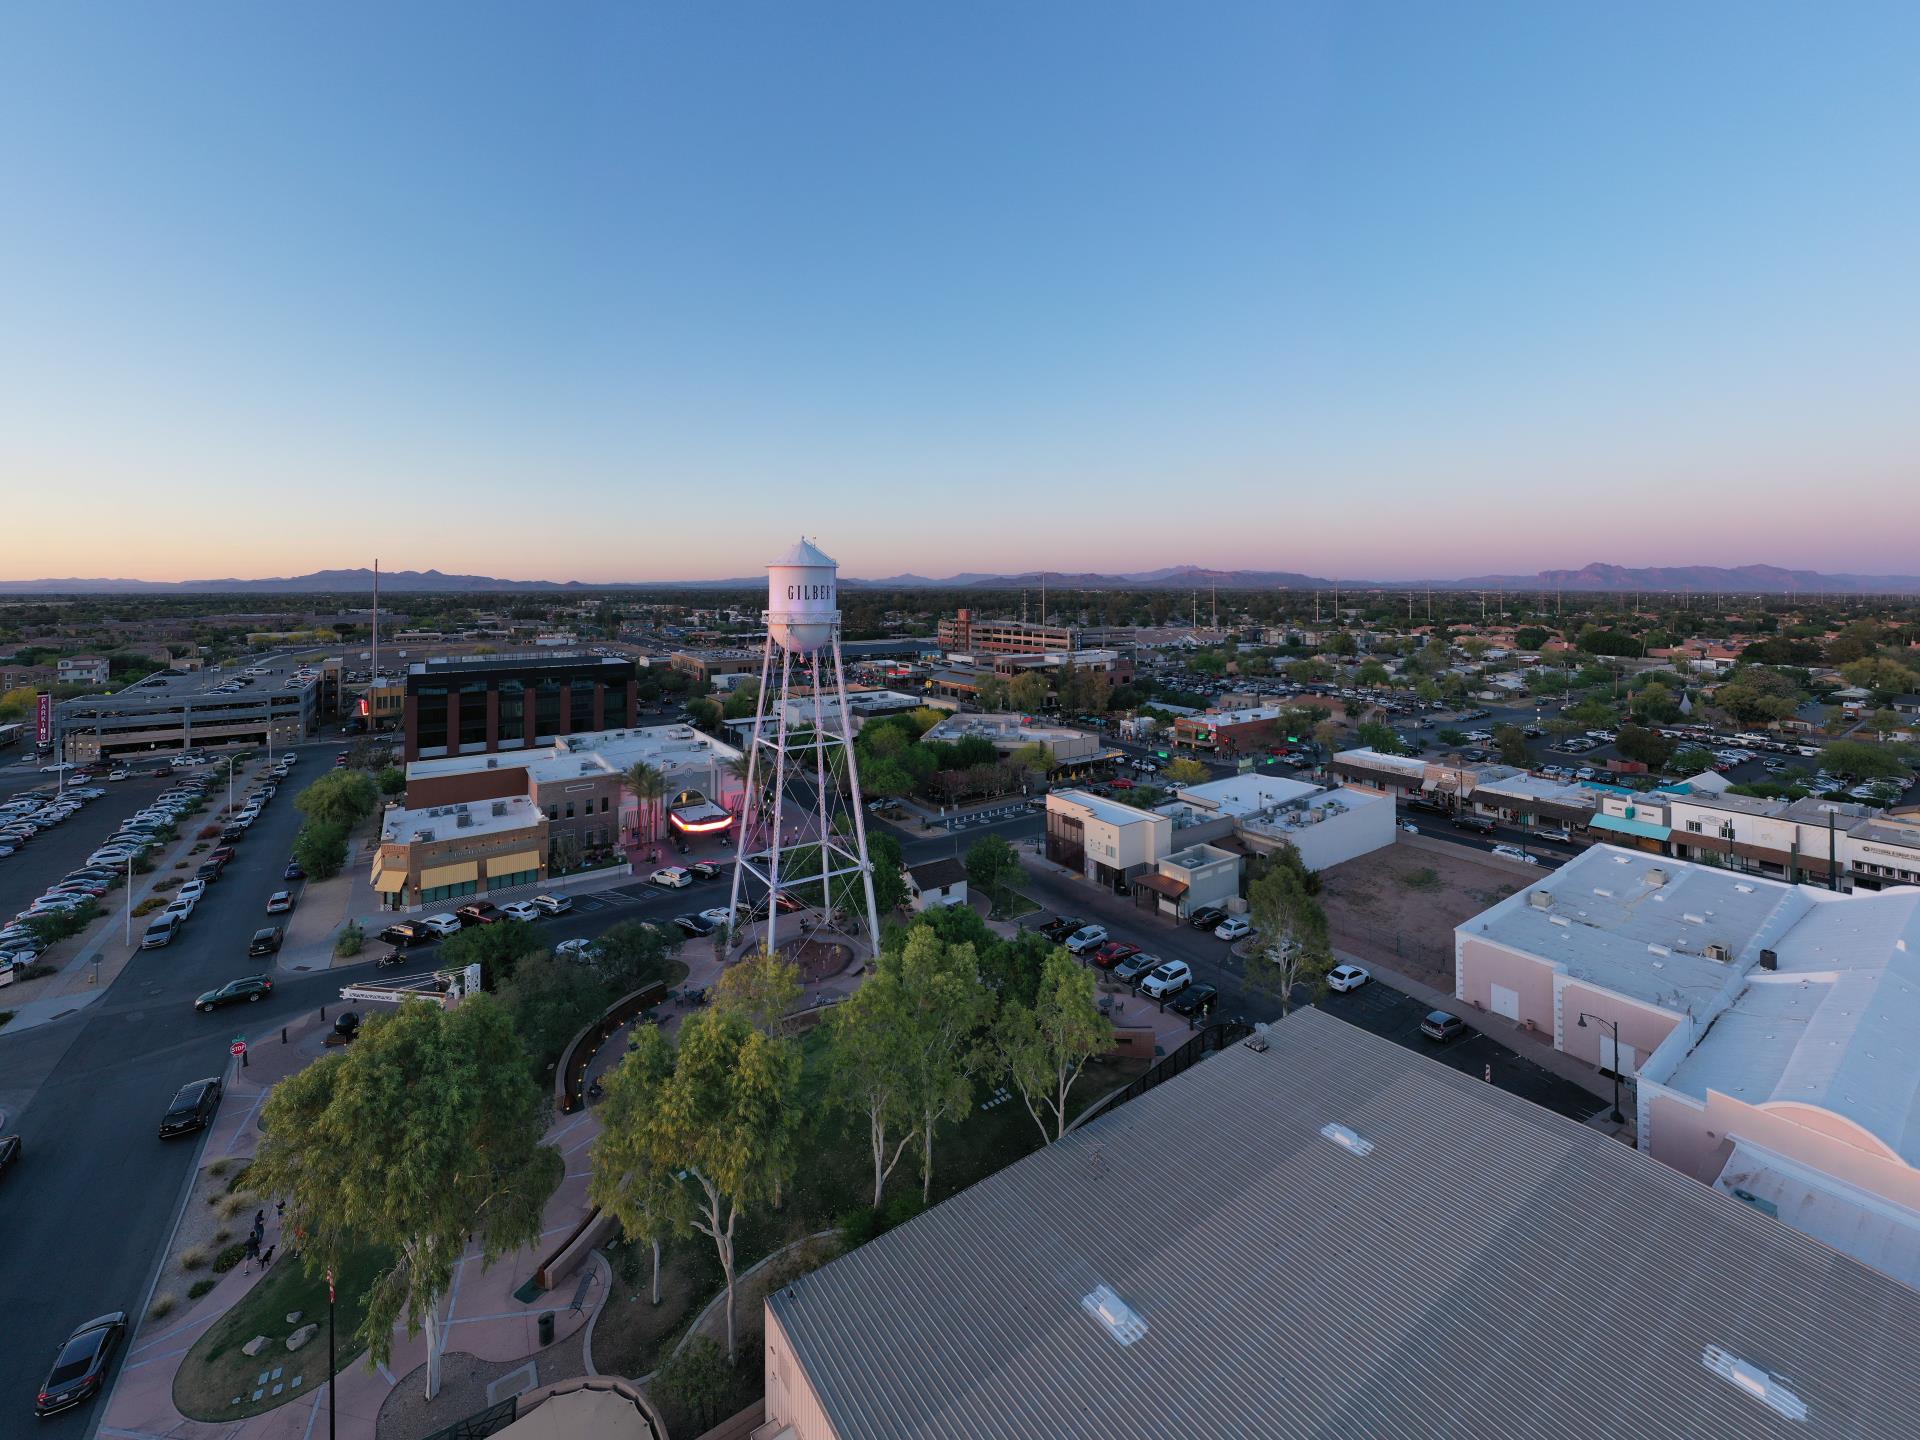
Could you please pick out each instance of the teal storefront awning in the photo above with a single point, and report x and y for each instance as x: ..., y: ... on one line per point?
x: 1645, y: 829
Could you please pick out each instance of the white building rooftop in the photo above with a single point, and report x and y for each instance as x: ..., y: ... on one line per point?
x: 1112, y: 812
x: 465, y: 821
x: 670, y: 747
x: 1645, y: 926
x: 1376, y: 760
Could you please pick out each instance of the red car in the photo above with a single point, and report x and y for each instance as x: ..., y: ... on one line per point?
x: 1113, y: 952
x: 1121, y: 784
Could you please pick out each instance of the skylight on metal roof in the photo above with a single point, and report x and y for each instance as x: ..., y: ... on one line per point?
x: 1349, y: 1140
x: 1767, y: 1388
x: 1113, y: 1314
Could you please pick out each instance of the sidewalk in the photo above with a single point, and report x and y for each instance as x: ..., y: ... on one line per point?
x: 481, y: 1313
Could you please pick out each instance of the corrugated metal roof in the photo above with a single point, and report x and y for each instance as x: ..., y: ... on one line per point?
x: 1488, y: 1268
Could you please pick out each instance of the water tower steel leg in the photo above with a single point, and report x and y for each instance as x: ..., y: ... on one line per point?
x: 779, y: 794
x: 748, y: 808
x: 859, y: 807
x: 820, y: 801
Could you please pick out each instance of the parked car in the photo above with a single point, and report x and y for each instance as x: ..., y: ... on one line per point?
x: 1134, y: 966
x: 520, y: 910
x: 406, y: 932
x: 1194, y: 1000
x: 280, y: 902
x: 1087, y: 937
x: 293, y: 871
x: 704, y: 870
x: 160, y: 931
x: 479, y: 912
x: 553, y: 904
x: 442, y: 924
x: 1171, y: 977
x: 1514, y: 852
x: 80, y: 1369
x: 695, y: 925
x: 1059, y: 928
x: 1113, y: 952
x: 209, y: 871
x: 250, y: 988
x: 265, y: 940
x: 1443, y: 1026
x: 1347, y: 977
x: 1234, y: 927
x: 1206, y: 917
x: 674, y: 877
x: 1479, y: 824
x: 193, y: 1108
x: 577, y: 950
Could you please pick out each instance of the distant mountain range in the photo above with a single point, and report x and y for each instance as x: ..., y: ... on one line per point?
x: 1697, y: 579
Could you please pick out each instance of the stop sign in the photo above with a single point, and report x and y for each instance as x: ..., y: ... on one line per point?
x: 238, y: 1047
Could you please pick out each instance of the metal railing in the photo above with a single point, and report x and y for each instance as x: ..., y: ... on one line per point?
x: 1177, y: 1062
x: 482, y: 1423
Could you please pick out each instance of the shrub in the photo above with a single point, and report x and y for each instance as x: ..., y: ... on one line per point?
x: 231, y: 1205
x: 902, y: 1205
x: 237, y: 1177
x: 172, y: 882
x: 163, y: 1305
x: 228, y: 1258
x: 1425, y: 878
x: 142, y: 865
x: 149, y: 905
x: 200, y: 1287
x: 5, y: 1016
x: 193, y: 1258
x: 350, y: 940
x: 179, y: 865
x: 34, y: 971
x: 698, y: 1381
x: 859, y: 1226
x: 220, y: 1167
x: 208, y: 832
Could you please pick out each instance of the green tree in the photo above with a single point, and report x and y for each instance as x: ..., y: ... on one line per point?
x: 1531, y: 637
x: 1861, y: 759
x: 632, y: 954
x: 992, y: 864
x: 321, y: 848
x: 1044, y: 1048
x: 550, y: 1003
x: 1691, y: 760
x: 497, y: 949
x: 1510, y: 744
x: 727, y: 1115
x: 340, y: 798
x: 1372, y: 673
x: 1636, y: 742
x: 889, y: 876
x: 1036, y: 758
x: 426, y: 1131
x: 630, y: 1179
x: 990, y: 693
x: 1027, y: 691
x: 698, y: 1380
x: 1382, y: 739
x: 1188, y: 772
x: 869, y: 1039
x: 1294, y: 947
x: 761, y: 989
x: 704, y: 712
x: 1883, y: 678
x: 648, y: 786
x: 392, y: 780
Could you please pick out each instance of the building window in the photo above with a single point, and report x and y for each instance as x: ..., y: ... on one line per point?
x: 570, y: 810
x: 513, y: 709
x: 473, y: 713
x: 582, y: 704
x: 546, y: 708
x: 603, y: 804
x: 431, y: 707
x: 553, y: 812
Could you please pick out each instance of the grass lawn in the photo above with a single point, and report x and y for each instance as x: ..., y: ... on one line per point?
x: 1009, y: 904
x: 836, y: 1179
x: 215, y: 1371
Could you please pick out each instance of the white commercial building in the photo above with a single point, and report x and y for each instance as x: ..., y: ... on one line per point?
x: 1326, y: 826
x: 1104, y: 840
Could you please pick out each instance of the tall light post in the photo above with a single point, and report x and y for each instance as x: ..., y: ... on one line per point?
x: 1613, y: 1025
x: 129, y: 899
x: 229, y: 784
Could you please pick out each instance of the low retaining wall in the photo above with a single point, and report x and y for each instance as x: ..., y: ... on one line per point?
x: 567, y: 1256
x: 570, y: 1076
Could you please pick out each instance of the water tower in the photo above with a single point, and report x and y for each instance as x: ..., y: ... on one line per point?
x: 803, y: 831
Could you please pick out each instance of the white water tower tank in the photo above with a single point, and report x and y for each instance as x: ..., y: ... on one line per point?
x: 803, y: 599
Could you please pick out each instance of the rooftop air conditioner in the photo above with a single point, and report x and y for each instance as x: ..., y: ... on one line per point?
x: 464, y: 821
x: 1656, y: 876
x: 1769, y: 960
x: 1718, y: 951
x: 1540, y: 899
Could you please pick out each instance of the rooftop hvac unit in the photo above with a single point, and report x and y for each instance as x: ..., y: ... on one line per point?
x: 499, y: 807
x: 420, y: 835
x: 464, y: 821
x: 1718, y: 951
x: 1769, y: 960
x: 492, y: 761
x: 1540, y: 899
x: 1656, y: 876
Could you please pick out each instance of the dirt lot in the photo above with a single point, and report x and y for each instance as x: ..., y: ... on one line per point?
x: 1399, y: 906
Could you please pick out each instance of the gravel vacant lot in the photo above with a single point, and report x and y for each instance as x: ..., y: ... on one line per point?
x: 1399, y: 906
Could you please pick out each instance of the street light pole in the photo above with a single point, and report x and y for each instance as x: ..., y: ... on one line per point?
x: 129, y: 899
x: 1613, y: 1025
x: 229, y: 784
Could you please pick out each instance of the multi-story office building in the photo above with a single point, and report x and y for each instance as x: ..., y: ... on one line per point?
x: 480, y: 704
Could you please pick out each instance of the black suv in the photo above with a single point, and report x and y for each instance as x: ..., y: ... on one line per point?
x: 1206, y: 917
x: 80, y: 1368
x: 250, y: 988
x: 193, y: 1108
x: 1479, y: 824
x: 405, y: 932
x: 264, y: 942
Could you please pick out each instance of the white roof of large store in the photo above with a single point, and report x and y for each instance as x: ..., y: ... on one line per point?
x: 1834, y: 1025
x: 443, y: 822
x: 667, y: 746
x: 1640, y: 924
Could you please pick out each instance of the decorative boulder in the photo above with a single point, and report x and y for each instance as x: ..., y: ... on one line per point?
x: 293, y: 1317
x: 302, y: 1336
x: 254, y: 1346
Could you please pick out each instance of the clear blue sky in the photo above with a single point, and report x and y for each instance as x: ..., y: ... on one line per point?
x: 608, y: 291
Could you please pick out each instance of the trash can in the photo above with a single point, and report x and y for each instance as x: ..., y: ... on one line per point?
x: 546, y: 1328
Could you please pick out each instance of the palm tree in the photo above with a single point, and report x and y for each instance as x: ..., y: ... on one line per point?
x: 648, y: 785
